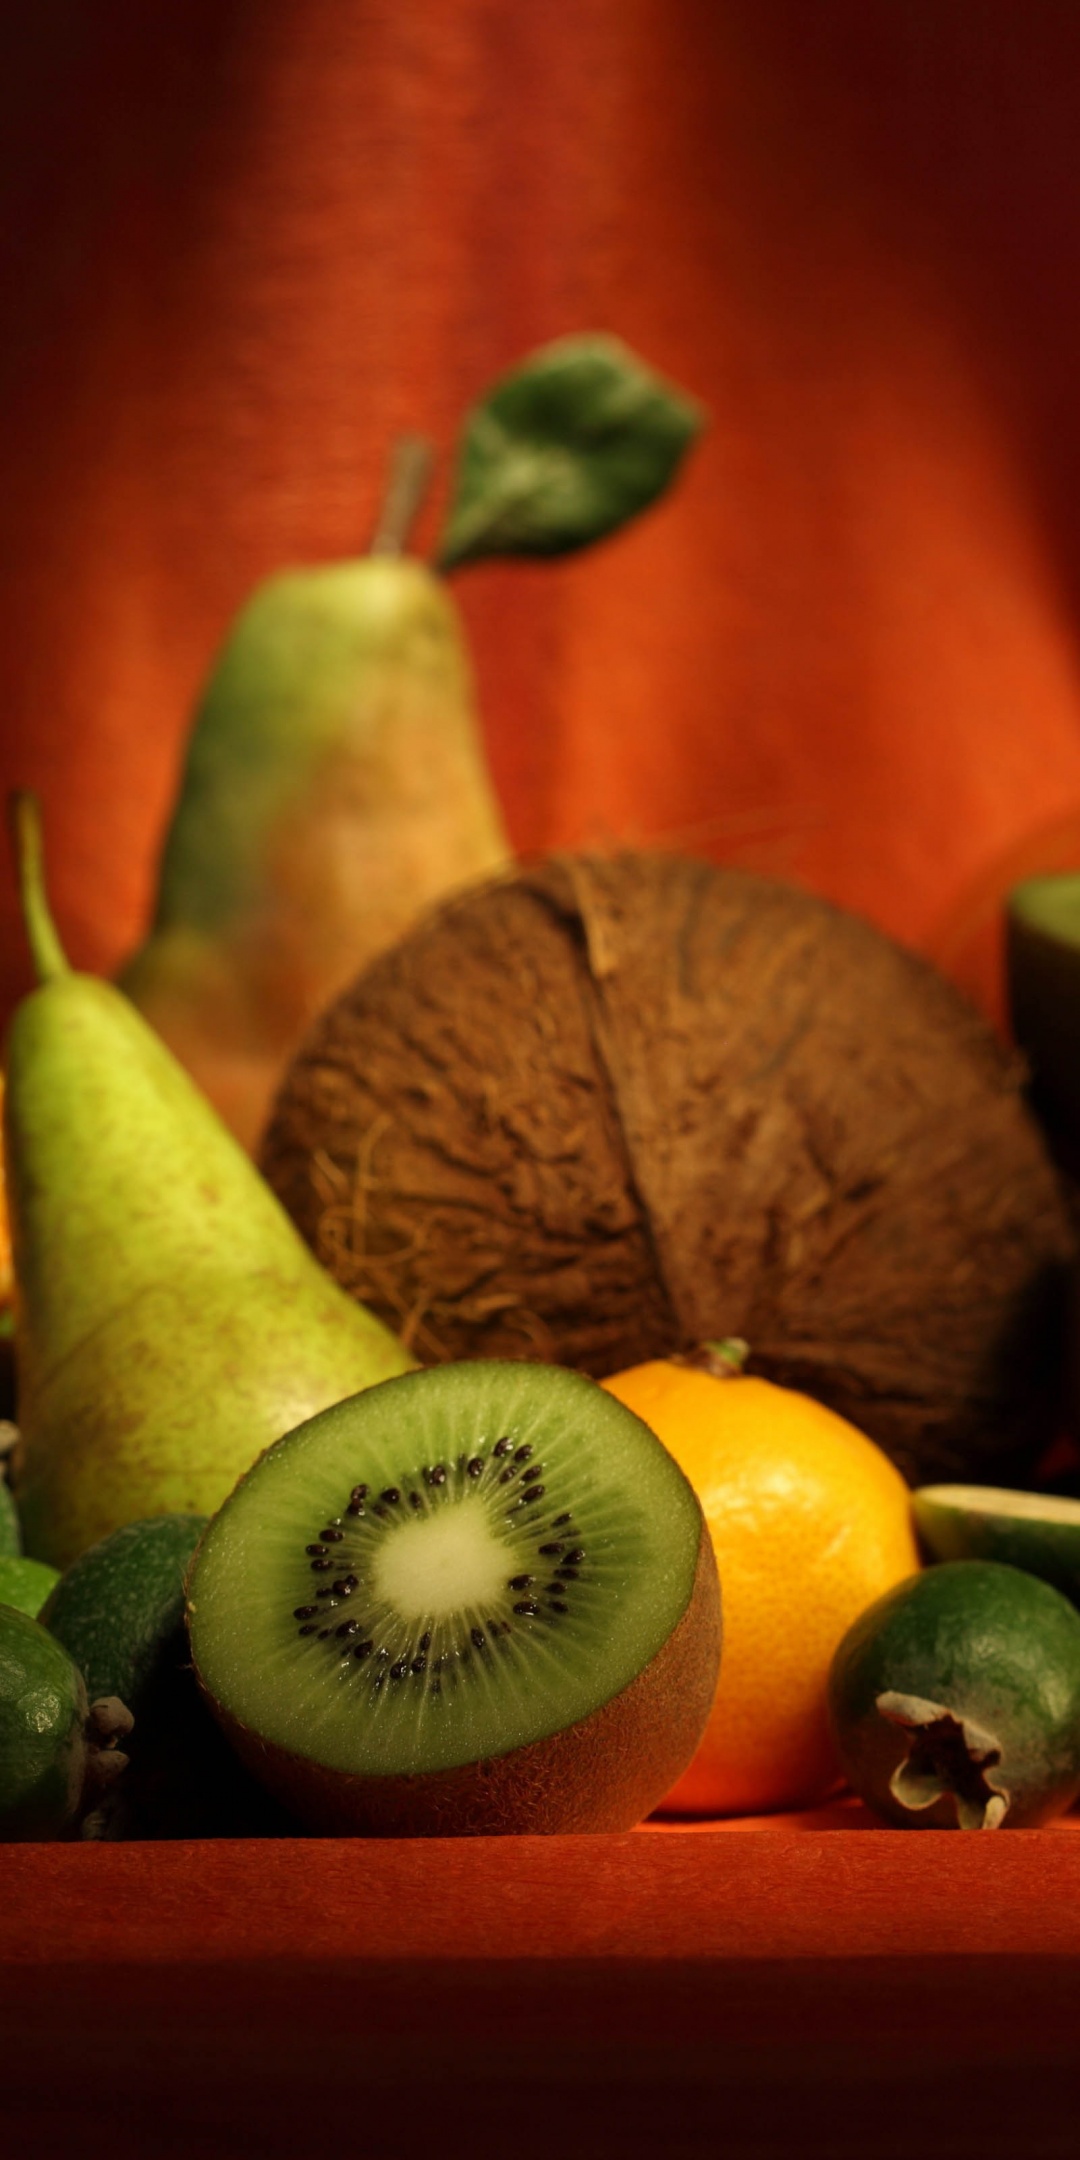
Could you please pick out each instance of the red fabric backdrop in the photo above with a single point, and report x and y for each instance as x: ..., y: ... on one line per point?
x: 246, y: 241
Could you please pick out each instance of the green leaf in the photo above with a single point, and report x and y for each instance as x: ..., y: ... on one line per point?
x: 564, y: 449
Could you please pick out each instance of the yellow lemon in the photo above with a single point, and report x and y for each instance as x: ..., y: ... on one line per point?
x: 810, y: 1522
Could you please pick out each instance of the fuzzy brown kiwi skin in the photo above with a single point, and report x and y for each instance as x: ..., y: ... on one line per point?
x: 604, y: 1774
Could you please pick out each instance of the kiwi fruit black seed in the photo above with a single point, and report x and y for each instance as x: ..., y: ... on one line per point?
x: 477, y: 1599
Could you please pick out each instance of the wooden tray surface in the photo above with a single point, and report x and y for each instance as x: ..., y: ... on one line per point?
x: 796, y: 1988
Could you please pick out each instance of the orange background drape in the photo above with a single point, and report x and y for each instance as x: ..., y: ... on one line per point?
x: 248, y: 241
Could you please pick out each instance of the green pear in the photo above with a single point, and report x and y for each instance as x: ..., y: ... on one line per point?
x: 335, y: 782
x: 335, y: 785
x: 169, y: 1321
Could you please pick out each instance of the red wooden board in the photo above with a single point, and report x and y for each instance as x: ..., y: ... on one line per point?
x: 785, y: 1988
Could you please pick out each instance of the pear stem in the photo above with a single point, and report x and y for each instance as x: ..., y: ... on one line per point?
x: 49, y: 957
x: 410, y: 474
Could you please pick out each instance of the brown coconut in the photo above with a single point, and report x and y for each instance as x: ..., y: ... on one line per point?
x: 607, y: 1107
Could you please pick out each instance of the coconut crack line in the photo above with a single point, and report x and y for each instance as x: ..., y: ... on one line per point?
x: 600, y: 964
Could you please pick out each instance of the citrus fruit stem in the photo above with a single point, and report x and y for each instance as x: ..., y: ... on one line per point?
x: 723, y: 1358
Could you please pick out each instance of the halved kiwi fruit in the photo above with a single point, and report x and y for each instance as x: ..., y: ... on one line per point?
x: 477, y: 1599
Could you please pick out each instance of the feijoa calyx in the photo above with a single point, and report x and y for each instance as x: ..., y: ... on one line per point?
x: 955, y: 1700
x: 57, y: 1752
x: 479, y: 1599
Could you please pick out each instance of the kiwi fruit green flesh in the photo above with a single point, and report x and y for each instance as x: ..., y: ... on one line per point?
x: 43, y: 1711
x: 26, y: 1584
x: 477, y: 1599
x: 955, y: 1700
x: 119, y: 1612
x: 1039, y: 1532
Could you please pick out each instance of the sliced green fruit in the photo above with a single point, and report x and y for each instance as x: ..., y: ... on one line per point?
x: 955, y: 1700
x: 119, y: 1612
x: 26, y: 1584
x: 43, y: 1710
x: 1036, y: 1531
x: 481, y: 1598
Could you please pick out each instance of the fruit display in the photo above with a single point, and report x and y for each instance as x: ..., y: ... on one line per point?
x: 610, y: 1107
x: 534, y: 1431
x: 809, y: 1523
x: 477, y: 1599
x: 335, y: 780
x: 955, y: 1700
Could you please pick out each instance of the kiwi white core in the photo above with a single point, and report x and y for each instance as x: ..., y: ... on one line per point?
x: 442, y: 1569
x: 444, y: 1564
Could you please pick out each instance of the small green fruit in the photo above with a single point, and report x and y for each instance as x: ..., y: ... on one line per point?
x: 119, y: 1612
x: 955, y: 1700
x: 43, y: 1711
x: 119, y: 1609
x: 27, y: 1584
x: 10, y: 1530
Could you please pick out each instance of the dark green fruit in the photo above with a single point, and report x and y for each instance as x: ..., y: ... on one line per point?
x: 1042, y: 956
x: 10, y: 1532
x: 1039, y: 1532
x: 119, y: 1612
x: 955, y: 1700
x: 43, y: 1709
x: 119, y: 1609
x: 477, y: 1599
x: 26, y: 1584
x: 56, y: 1754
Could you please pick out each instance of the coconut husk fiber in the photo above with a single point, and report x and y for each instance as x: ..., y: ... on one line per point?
x: 607, y: 1107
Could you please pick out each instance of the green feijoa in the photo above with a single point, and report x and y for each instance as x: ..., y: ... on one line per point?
x: 26, y: 1584
x: 10, y: 1531
x: 1039, y: 1532
x: 955, y: 1700
x: 119, y: 1611
x: 43, y: 1752
x: 119, y: 1608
